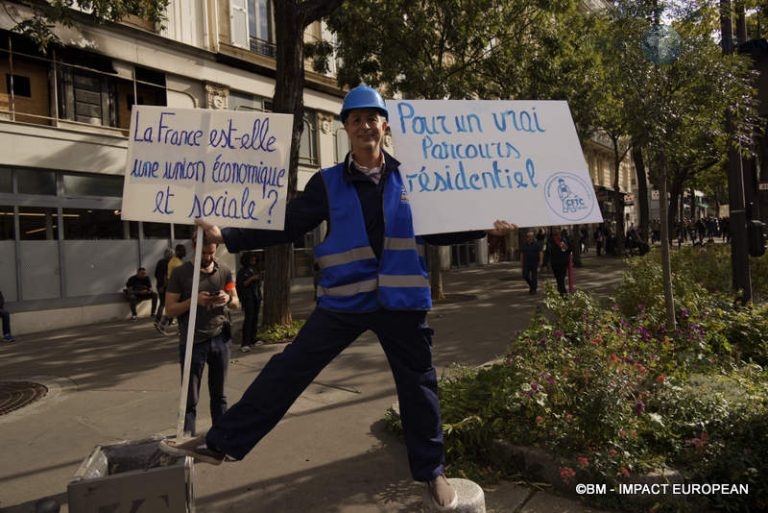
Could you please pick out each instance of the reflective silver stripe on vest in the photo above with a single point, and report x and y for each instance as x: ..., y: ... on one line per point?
x: 403, y: 244
x: 405, y: 280
x: 348, y: 290
x: 346, y: 257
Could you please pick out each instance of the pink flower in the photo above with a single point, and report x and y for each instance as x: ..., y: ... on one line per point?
x: 661, y: 378
x: 583, y: 461
x: 700, y: 442
x: 539, y: 419
x: 567, y: 474
x: 612, y: 452
x: 624, y: 471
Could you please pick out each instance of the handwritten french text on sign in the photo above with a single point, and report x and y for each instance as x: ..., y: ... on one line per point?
x: 228, y: 167
x: 467, y: 163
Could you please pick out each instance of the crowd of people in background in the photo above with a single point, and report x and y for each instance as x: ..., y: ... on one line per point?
x: 551, y: 249
x: 543, y: 249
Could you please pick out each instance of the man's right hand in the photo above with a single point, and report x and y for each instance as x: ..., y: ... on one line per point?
x: 211, y: 232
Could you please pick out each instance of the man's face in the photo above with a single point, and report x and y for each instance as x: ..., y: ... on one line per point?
x: 141, y: 273
x: 207, y: 254
x: 365, y: 128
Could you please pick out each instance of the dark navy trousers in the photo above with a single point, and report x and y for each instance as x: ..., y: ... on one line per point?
x: 216, y: 353
x: 407, y: 343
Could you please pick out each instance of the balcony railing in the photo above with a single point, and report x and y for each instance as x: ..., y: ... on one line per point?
x: 263, y: 47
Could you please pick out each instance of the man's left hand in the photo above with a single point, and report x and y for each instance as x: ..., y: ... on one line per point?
x: 211, y: 233
x: 501, y: 228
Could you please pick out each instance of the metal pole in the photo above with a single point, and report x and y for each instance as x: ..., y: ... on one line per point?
x: 736, y: 203
x: 190, y: 334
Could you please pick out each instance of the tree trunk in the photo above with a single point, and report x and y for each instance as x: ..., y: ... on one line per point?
x: 291, y: 17
x: 576, y: 244
x: 618, y: 198
x: 435, y: 273
x: 675, y: 194
x: 644, y: 208
x: 693, y: 205
x: 666, y: 263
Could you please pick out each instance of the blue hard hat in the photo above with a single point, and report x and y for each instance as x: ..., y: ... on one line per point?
x: 363, y: 97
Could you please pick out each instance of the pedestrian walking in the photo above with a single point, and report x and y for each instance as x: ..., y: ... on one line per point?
x: 372, y: 276
x: 179, y: 252
x: 161, y: 281
x: 249, y: 291
x: 531, y: 259
x: 559, y: 251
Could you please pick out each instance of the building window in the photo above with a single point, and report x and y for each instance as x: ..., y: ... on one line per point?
x: 6, y: 183
x: 18, y: 85
x: 36, y: 182
x: 252, y: 27
x: 150, y: 88
x: 183, y: 232
x: 260, y: 19
x: 245, y: 102
x: 308, y: 144
x: 38, y: 223
x: 87, y: 87
x: 156, y: 230
x: 86, y: 97
x: 6, y: 223
x: 92, y: 185
x: 89, y: 224
x: 340, y: 140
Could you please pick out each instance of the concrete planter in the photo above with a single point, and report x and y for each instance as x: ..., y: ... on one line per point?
x: 132, y: 477
x: 539, y: 465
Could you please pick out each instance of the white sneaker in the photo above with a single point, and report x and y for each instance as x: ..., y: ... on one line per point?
x: 245, y: 349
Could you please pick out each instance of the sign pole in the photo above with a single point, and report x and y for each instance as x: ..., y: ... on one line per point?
x: 190, y: 334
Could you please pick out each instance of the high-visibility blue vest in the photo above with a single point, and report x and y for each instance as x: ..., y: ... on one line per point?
x: 352, y: 279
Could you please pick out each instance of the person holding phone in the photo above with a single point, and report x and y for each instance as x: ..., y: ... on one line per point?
x: 212, y: 332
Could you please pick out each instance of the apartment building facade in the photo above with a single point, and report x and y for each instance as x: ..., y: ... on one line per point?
x: 64, y: 119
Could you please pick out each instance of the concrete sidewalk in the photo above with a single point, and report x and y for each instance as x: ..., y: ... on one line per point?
x: 120, y: 381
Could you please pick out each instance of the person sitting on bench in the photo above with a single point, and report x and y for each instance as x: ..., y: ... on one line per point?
x: 137, y: 289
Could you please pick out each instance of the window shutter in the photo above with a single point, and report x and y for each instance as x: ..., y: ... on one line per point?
x: 238, y: 16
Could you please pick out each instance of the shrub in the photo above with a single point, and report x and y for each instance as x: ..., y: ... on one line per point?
x: 609, y: 390
x: 279, y: 333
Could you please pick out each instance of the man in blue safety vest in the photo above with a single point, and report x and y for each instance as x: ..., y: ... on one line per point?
x: 372, y: 276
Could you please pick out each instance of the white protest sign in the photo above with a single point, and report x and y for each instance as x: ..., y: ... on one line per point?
x: 228, y: 167
x: 467, y: 163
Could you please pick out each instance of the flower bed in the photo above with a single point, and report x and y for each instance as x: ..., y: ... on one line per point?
x: 613, y: 395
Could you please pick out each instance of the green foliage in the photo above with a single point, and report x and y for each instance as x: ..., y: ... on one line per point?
x: 279, y: 333
x: 675, y: 112
x: 46, y: 14
x: 612, y: 393
x: 508, y: 49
